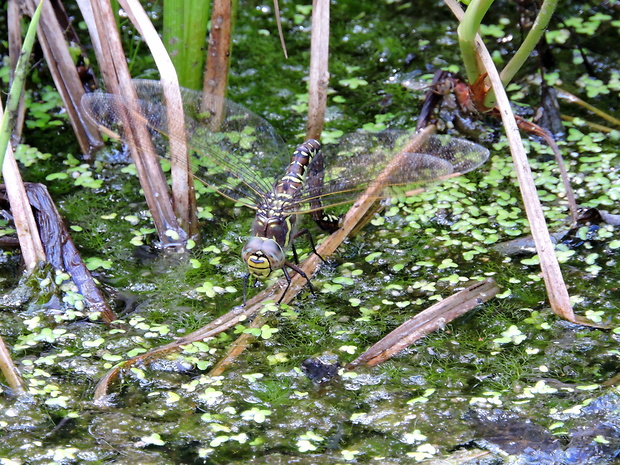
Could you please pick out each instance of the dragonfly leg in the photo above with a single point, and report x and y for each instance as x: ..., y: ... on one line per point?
x: 300, y: 272
x: 288, y: 284
x: 295, y: 257
x: 307, y: 233
x: 246, y: 278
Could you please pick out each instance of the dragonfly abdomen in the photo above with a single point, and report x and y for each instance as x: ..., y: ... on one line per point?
x: 294, y: 179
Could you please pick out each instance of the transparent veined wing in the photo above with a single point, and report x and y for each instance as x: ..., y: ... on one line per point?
x: 240, y: 157
x: 359, y: 160
x: 244, y: 155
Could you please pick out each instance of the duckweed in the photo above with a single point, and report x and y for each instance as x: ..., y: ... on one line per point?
x: 511, y: 356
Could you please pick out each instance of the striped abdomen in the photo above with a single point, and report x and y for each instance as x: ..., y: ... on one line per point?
x: 294, y: 179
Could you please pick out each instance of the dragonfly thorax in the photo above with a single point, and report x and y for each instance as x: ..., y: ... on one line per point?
x: 276, y: 225
x: 263, y: 255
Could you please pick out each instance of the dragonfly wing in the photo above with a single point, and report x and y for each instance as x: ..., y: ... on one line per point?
x: 238, y: 155
x: 360, y: 162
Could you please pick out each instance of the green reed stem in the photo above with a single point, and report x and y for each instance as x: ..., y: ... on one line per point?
x: 17, y: 87
x: 532, y: 38
x: 185, y: 37
x: 467, y: 36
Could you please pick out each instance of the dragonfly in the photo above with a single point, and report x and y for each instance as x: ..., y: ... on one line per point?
x: 242, y: 157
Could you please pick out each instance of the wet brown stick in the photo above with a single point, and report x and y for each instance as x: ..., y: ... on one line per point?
x: 212, y: 329
x: 14, y: 26
x: 28, y: 234
x: 427, y: 321
x: 218, y: 59
x: 25, y: 224
x: 61, y: 251
x: 51, y: 36
x: 8, y: 369
x: 183, y: 196
x: 237, y: 347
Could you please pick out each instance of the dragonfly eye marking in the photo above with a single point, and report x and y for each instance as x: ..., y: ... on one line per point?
x: 262, y: 256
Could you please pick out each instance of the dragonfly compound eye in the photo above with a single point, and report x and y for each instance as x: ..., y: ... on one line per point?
x: 263, y: 256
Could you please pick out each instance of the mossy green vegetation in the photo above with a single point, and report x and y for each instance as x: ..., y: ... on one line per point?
x: 508, y: 362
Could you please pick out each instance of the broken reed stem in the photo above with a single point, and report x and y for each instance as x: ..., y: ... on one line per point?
x: 113, y: 67
x: 557, y: 292
x: 25, y: 224
x: 319, y: 74
x: 218, y: 61
x: 238, y: 346
x: 183, y: 196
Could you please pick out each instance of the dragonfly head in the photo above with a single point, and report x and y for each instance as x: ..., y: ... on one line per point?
x: 262, y: 255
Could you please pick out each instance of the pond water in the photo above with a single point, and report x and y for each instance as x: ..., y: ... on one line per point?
x: 508, y: 383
